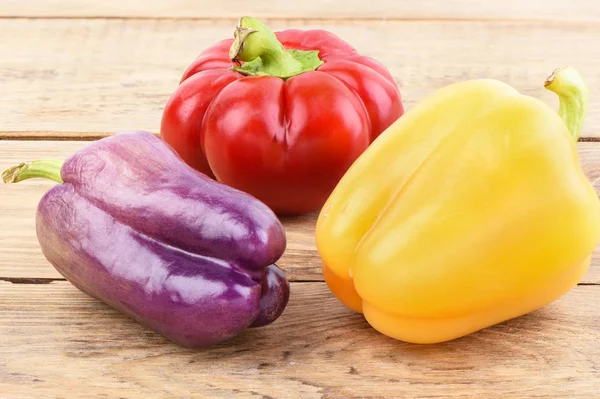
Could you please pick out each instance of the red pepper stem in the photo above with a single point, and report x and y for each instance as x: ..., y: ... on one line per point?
x: 263, y: 55
x: 43, y: 168
x: 572, y: 93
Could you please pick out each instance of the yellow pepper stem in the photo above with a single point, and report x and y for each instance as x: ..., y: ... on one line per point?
x: 572, y: 93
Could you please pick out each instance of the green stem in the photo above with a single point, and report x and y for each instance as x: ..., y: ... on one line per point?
x: 572, y: 93
x: 43, y: 168
x: 263, y: 55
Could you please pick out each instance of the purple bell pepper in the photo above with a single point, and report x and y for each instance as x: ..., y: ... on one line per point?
x: 135, y: 227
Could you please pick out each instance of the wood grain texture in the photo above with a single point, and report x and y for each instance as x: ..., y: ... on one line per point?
x: 331, y: 9
x: 21, y: 257
x: 57, y: 341
x: 101, y: 76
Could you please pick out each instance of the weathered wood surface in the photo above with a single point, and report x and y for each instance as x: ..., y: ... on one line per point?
x: 73, y: 71
x: 560, y: 10
x: 20, y: 256
x: 85, y: 77
x: 57, y: 342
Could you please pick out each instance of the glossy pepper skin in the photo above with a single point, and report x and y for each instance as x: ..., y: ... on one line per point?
x: 283, y: 132
x: 470, y: 210
x: 134, y: 226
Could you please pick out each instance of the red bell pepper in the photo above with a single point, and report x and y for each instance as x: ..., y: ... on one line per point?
x: 282, y: 115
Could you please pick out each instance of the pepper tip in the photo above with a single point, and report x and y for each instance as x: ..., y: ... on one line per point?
x: 237, y: 47
x: 555, y: 72
x: 9, y: 176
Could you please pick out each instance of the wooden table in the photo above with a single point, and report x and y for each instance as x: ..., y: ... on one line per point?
x: 73, y: 71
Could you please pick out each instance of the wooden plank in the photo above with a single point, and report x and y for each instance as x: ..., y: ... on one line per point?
x: 57, y: 342
x: 20, y: 256
x: 101, y: 76
x: 332, y: 9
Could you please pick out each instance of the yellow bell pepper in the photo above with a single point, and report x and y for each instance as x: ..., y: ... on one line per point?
x: 471, y: 209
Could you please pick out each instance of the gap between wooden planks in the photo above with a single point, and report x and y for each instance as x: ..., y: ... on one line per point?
x: 99, y: 76
x: 57, y: 341
x: 578, y: 10
x: 21, y: 257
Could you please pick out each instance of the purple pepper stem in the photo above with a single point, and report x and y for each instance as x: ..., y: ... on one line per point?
x: 43, y: 168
